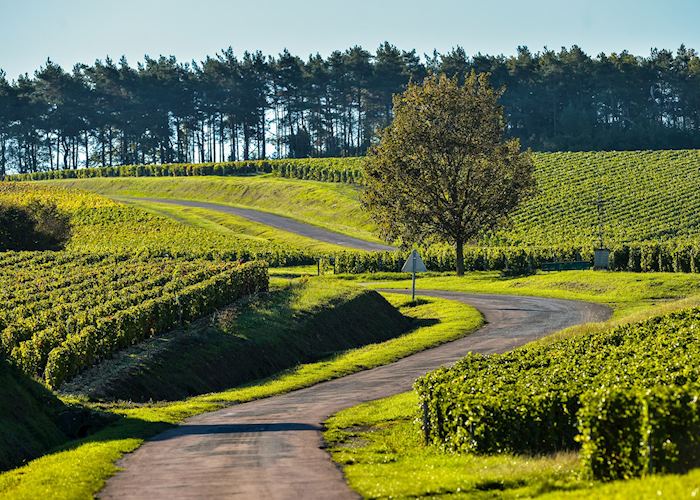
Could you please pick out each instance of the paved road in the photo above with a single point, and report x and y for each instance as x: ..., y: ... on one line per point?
x: 271, y: 448
x: 284, y: 223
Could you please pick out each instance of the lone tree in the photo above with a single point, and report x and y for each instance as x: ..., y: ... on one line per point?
x: 442, y: 170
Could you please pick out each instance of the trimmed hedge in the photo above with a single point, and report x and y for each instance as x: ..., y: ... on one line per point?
x: 130, y: 326
x: 348, y: 170
x: 674, y: 256
x: 631, y: 432
x: 536, y: 399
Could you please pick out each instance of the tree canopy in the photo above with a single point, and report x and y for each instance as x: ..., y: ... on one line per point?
x: 239, y: 106
x: 442, y: 169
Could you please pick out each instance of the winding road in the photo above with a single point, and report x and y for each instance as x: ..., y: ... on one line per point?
x: 272, y: 448
x: 279, y: 222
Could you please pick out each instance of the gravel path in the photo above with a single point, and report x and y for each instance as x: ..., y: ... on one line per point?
x: 271, y: 448
x: 279, y: 222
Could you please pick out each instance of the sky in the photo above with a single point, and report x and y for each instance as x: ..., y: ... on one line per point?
x: 71, y: 31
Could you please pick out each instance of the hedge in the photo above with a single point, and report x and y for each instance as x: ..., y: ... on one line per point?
x: 347, y: 170
x: 631, y: 432
x: 673, y: 256
x: 536, y: 399
x: 154, y: 316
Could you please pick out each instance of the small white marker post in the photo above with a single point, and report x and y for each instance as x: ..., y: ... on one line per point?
x: 414, y: 264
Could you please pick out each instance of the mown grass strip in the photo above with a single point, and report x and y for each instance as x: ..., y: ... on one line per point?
x: 625, y: 292
x: 233, y: 226
x: 329, y: 205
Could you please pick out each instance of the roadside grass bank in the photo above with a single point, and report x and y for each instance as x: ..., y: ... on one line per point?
x: 28, y: 417
x: 329, y: 205
x: 380, y: 447
x: 80, y: 468
x: 626, y: 293
x: 297, y: 322
x: 233, y: 226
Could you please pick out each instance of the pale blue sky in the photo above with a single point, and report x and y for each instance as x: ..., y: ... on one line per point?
x: 70, y: 31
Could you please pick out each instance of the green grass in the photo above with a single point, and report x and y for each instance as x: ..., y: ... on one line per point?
x: 625, y: 292
x: 80, y: 470
x: 380, y: 447
x: 380, y: 443
x: 27, y: 418
x: 329, y: 205
x: 297, y: 322
x: 102, y: 225
x: 233, y: 226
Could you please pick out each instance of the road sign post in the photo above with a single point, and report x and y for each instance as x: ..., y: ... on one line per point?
x: 414, y: 264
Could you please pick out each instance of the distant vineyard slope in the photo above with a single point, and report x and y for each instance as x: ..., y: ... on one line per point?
x: 648, y: 195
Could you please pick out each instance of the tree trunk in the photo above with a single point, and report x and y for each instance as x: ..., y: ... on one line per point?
x: 262, y: 135
x: 3, y: 149
x: 460, y: 258
x: 102, y: 148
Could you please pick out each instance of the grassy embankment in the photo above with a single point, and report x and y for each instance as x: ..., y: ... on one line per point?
x: 380, y: 447
x: 625, y: 292
x: 28, y: 417
x: 328, y: 205
x: 101, y: 225
x: 80, y: 468
x: 249, y: 340
x: 232, y: 226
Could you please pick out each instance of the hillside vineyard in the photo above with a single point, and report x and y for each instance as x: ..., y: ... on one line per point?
x: 66, y: 312
x: 650, y: 197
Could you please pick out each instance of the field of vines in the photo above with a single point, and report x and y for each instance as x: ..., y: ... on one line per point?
x: 62, y: 312
x: 629, y: 398
x: 101, y: 225
x: 648, y: 195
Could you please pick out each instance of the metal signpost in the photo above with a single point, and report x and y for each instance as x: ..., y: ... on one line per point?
x: 414, y: 264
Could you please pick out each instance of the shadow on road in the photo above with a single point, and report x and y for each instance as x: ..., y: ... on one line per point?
x: 184, y: 430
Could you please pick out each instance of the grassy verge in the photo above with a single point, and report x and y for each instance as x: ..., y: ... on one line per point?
x: 80, y: 469
x: 626, y: 293
x: 28, y: 424
x: 331, y: 205
x: 380, y: 447
x: 233, y: 226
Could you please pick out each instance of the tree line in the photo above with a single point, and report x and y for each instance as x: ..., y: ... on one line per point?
x: 250, y: 106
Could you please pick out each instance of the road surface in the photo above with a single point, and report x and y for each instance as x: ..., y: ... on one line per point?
x: 271, y: 448
x: 279, y: 222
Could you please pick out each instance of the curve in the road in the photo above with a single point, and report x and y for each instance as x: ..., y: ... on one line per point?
x: 279, y: 222
x: 272, y: 448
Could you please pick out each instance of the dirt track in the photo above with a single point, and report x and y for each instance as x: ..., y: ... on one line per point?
x: 279, y: 222
x: 271, y: 448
